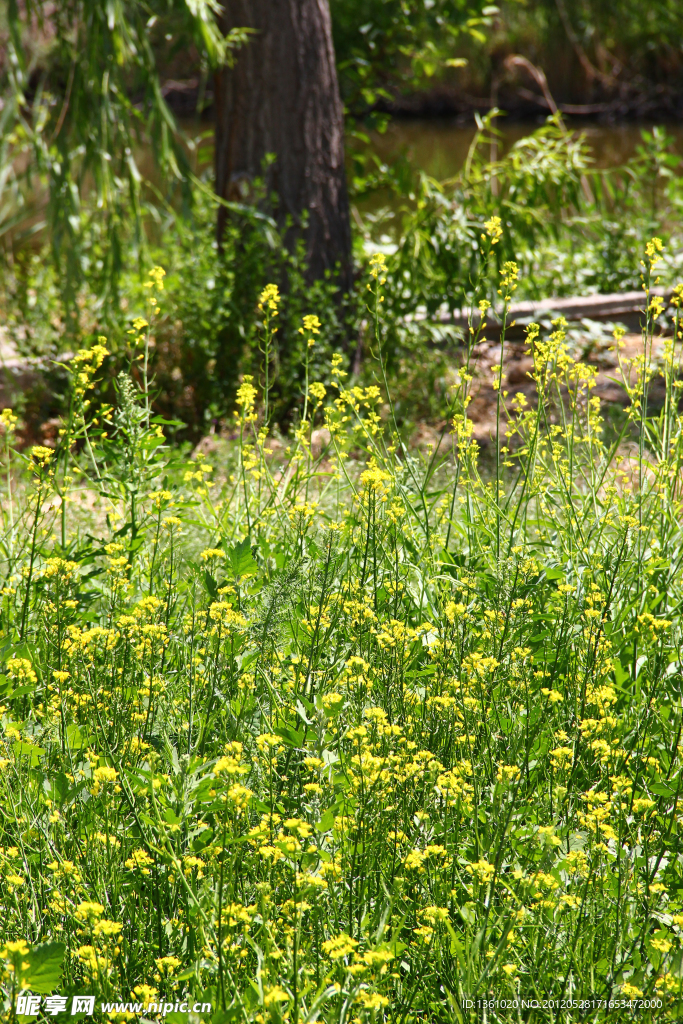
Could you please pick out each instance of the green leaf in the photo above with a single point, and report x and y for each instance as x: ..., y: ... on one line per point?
x: 149, y: 443
x: 211, y: 585
x: 289, y: 736
x: 327, y: 821
x: 241, y: 559
x: 28, y: 750
x: 60, y: 788
x: 187, y: 973
x: 467, y: 913
x: 74, y: 740
x: 20, y: 691
x: 662, y: 789
x: 167, y: 423
x: 45, y: 967
x: 620, y: 673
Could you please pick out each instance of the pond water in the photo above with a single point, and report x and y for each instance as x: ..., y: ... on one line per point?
x: 439, y: 148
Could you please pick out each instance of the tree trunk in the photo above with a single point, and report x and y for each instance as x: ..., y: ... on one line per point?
x: 279, y: 118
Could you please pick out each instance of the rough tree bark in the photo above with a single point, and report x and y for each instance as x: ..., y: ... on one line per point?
x: 282, y: 98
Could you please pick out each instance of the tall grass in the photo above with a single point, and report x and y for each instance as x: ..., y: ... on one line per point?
x: 349, y: 734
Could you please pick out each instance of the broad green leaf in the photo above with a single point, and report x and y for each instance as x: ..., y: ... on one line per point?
x: 74, y: 740
x: 30, y: 750
x: 211, y: 585
x: 289, y: 736
x: 241, y: 559
x: 45, y: 967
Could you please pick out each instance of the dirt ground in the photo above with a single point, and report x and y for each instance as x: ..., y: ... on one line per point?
x: 517, y: 367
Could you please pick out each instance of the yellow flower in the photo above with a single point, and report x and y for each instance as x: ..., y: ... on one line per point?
x: 107, y: 928
x: 94, y: 357
x: 19, y: 947
x: 653, y: 251
x: 167, y: 963
x: 156, y: 281
x: 246, y: 394
x: 210, y: 553
x: 312, y: 325
x: 157, y: 275
x: 102, y: 776
x: 139, y: 860
x: 374, y: 478
x: 21, y: 668
x: 509, y: 275
x: 372, y: 1000
x: 40, y: 457
x: 269, y: 298
x: 378, y: 958
x: 559, y: 755
x: 434, y: 914
x: 275, y: 995
x: 483, y: 871
x: 8, y: 420
x: 378, y: 264
x: 494, y: 230
x: 145, y: 993
x: 88, y: 955
x: 89, y: 911
x: 341, y: 946
x: 302, y: 828
x: 191, y: 863
x: 554, y: 696
x: 240, y: 796
x: 415, y: 860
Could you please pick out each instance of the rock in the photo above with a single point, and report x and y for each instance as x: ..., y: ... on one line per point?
x: 320, y: 440
x: 519, y: 370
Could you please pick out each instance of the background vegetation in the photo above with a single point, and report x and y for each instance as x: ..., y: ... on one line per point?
x: 85, y: 212
x: 623, y: 58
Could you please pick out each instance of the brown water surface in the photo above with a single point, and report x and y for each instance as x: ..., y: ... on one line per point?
x: 439, y: 148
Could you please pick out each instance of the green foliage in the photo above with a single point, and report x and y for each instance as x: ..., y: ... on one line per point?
x: 382, y: 46
x: 205, y: 335
x: 336, y: 732
x: 82, y: 96
x: 626, y: 56
x: 624, y: 49
x: 44, y: 970
x: 38, y: 969
x: 572, y: 229
x: 70, y: 145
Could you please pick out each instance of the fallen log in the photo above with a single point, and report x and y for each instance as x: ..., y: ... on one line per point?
x: 626, y: 307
